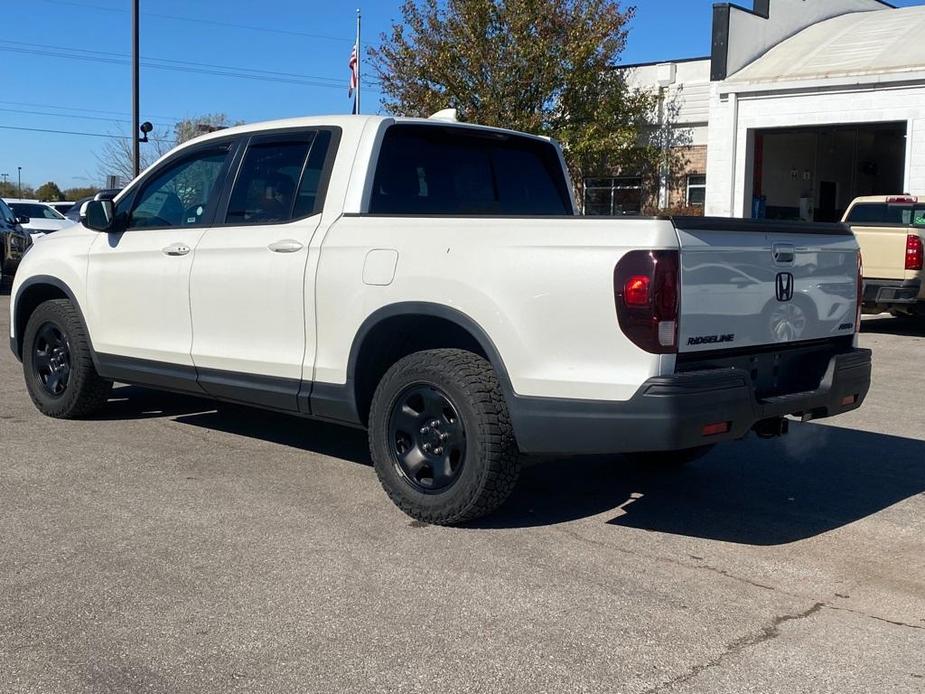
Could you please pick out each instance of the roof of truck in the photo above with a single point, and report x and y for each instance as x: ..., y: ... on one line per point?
x: 345, y: 122
x: 882, y: 199
x: 348, y: 123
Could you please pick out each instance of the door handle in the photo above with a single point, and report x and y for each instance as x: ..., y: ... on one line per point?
x: 176, y: 249
x: 285, y: 246
x: 784, y: 253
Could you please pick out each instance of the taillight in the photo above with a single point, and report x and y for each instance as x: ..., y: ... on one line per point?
x: 646, y: 287
x: 860, y: 294
x: 914, y: 252
x: 637, y: 290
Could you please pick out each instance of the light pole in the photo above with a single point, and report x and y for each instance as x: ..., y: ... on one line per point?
x: 19, y: 171
x: 136, y: 154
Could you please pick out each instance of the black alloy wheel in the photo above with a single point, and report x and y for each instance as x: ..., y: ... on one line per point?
x: 441, y: 438
x: 51, y: 359
x: 57, y: 362
x: 428, y: 439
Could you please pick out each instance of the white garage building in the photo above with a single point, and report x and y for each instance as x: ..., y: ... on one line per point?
x: 812, y: 103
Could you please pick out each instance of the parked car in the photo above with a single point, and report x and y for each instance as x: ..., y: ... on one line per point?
x: 43, y: 219
x: 891, y: 232
x: 74, y: 213
x: 430, y: 281
x: 61, y: 207
x: 13, y: 239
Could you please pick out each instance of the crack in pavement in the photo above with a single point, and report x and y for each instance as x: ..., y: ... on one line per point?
x: 772, y: 631
x: 734, y: 577
x: 677, y: 562
x: 873, y: 616
x: 767, y: 633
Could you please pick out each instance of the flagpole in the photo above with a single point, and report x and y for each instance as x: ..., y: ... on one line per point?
x: 359, y: 61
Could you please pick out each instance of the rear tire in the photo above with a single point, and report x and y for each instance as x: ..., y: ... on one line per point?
x: 57, y: 363
x: 441, y: 437
x: 670, y: 458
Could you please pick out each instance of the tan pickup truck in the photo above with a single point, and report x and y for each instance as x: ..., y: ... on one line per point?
x: 891, y: 232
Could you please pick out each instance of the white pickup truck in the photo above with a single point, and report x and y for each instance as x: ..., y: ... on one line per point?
x: 430, y: 281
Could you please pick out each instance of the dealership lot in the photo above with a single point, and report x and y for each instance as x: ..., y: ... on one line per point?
x: 166, y: 547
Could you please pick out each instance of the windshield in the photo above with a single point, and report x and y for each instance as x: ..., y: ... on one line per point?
x: 6, y: 214
x: 35, y: 211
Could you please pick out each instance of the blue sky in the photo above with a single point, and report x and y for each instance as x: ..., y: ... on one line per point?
x: 65, y: 66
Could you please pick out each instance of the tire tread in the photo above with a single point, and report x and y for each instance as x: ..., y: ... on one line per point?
x: 91, y: 391
x: 493, y: 427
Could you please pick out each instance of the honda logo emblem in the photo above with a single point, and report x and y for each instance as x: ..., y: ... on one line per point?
x: 784, y: 286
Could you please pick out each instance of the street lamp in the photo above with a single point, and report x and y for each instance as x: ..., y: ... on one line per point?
x: 136, y: 125
x: 19, y: 168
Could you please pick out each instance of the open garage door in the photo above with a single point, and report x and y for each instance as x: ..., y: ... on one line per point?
x: 813, y: 174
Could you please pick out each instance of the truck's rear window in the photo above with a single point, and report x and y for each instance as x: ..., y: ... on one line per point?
x: 424, y: 169
x: 883, y: 214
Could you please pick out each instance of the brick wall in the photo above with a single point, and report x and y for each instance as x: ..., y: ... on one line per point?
x: 696, y: 164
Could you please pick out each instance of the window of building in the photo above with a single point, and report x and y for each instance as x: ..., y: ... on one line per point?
x: 696, y: 189
x: 621, y: 195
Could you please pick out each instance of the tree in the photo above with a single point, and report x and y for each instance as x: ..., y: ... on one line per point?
x: 541, y: 66
x: 10, y: 189
x: 49, y: 192
x: 189, y: 128
x: 115, y: 157
x: 76, y: 194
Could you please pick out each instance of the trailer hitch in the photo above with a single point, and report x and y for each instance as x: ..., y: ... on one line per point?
x: 772, y: 428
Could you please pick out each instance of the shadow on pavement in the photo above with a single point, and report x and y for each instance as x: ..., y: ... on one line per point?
x: 906, y: 327
x: 754, y: 492
x: 285, y: 430
x: 132, y: 402
x: 816, y: 479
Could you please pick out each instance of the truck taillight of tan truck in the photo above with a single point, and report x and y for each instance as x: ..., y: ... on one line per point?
x: 891, y: 232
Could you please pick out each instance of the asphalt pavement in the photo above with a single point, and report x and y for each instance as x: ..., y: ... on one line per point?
x: 164, y: 547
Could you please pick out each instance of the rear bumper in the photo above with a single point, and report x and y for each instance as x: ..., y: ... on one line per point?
x: 669, y: 412
x: 885, y: 292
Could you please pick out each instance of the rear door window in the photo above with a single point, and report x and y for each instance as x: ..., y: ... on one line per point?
x: 280, y: 179
x: 425, y: 169
x: 265, y: 189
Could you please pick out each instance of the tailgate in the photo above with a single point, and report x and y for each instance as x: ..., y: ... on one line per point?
x: 749, y: 283
x: 883, y: 250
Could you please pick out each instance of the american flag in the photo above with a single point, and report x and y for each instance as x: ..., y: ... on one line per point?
x: 353, y: 64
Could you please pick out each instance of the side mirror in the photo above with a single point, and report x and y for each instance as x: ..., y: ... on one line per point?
x: 23, y: 220
x: 97, y: 215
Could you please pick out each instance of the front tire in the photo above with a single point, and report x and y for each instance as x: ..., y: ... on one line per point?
x: 57, y: 363
x: 441, y: 437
